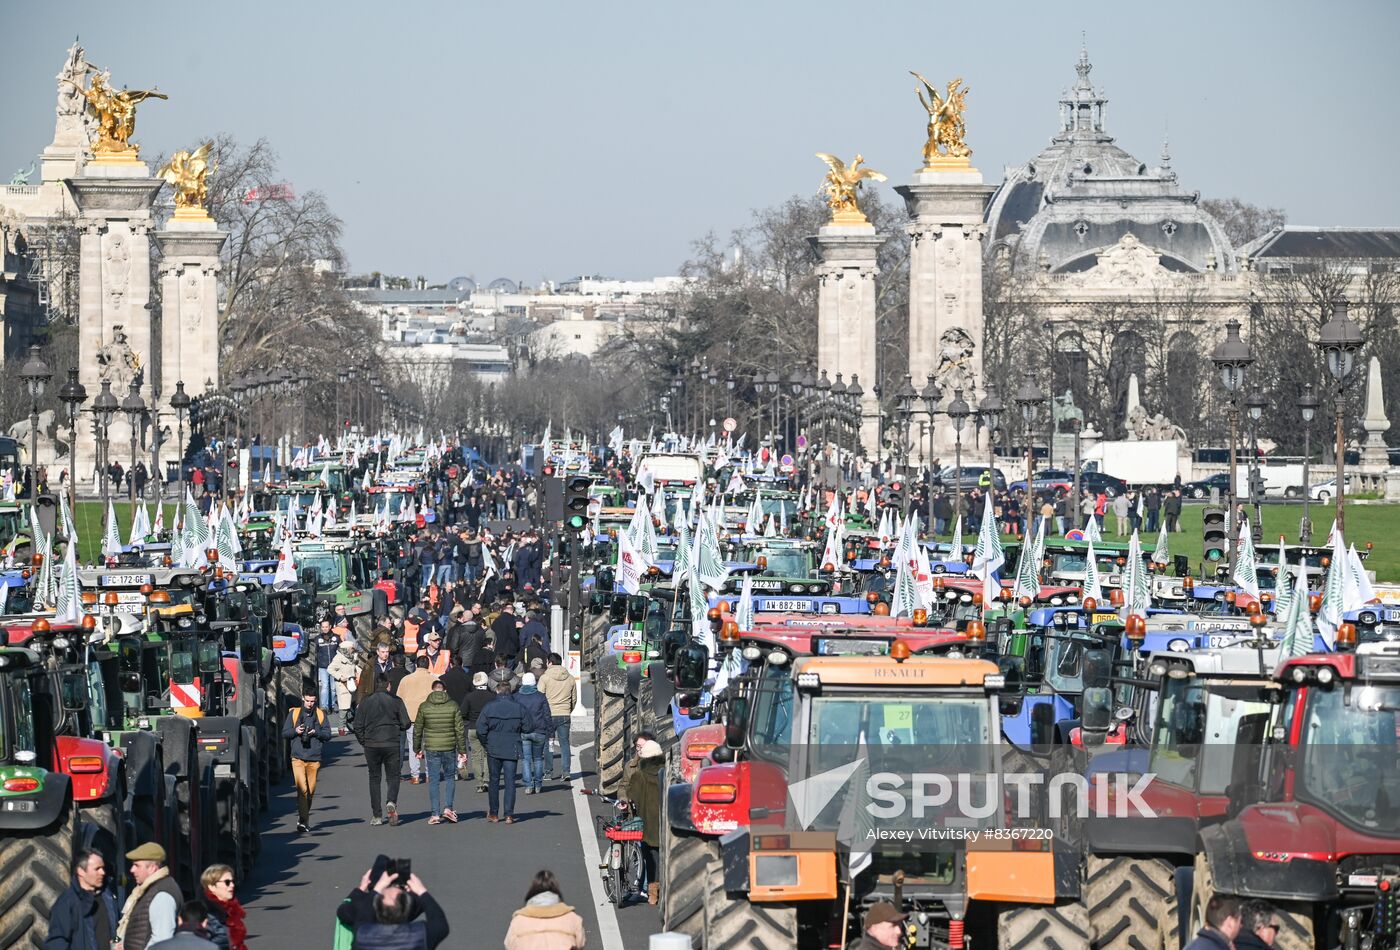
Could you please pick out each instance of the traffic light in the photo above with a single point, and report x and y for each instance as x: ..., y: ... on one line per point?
x: 895, y: 496
x: 576, y: 489
x: 553, y: 499
x: 1215, y: 540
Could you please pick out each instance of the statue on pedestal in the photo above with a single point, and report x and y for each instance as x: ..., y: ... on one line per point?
x: 115, y: 111
x: 187, y: 173
x: 955, y: 349
x: 1063, y: 409
x: 117, y: 362
x: 946, y: 129
x: 841, y: 184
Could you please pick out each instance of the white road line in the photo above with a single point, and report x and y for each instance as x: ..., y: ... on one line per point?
x: 592, y: 858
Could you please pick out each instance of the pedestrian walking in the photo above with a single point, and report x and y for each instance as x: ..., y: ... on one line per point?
x: 499, y: 726
x: 152, y: 909
x: 309, y: 729
x: 345, y: 673
x: 380, y: 723
x: 545, y: 922
x: 382, y: 912
x: 438, y: 734
x: 534, y: 734
x: 644, y: 792
x: 476, y: 700
x: 413, y: 689
x: 85, y: 915
x: 456, y: 680
x: 193, y: 930
x: 506, y: 631
x: 558, y: 687
x: 225, y: 922
x: 327, y: 644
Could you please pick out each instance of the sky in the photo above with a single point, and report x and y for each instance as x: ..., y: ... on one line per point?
x: 542, y: 140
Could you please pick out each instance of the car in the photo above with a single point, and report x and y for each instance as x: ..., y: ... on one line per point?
x: 1324, y: 491
x: 1201, y: 487
x: 971, y: 476
x: 1099, y: 482
x: 1047, y: 478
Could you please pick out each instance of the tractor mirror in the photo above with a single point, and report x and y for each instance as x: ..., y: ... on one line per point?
x: 1042, y: 724
x: 130, y: 682
x: 1098, y: 709
x: 692, y: 666
x: 736, y: 727
x: 209, y: 657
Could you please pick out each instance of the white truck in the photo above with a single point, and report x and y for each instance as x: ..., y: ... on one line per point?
x: 1139, y: 462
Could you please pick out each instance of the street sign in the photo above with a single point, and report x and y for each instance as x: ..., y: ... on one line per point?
x: 786, y: 461
x: 730, y: 425
x: 801, y: 442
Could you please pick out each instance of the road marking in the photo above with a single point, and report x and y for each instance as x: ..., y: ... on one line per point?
x: 592, y: 858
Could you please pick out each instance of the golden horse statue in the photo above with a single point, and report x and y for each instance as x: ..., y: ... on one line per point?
x: 115, y: 111
x: 187, y: 173
x: 841, y: 184
x: 946, y: 130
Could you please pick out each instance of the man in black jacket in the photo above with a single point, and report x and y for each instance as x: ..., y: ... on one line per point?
x: 85, y: 916
x: 456, y: 680
x: 382, y: 911
x: 506, y: 629
x: 477, y: 697
x: 379, y: 721
x: 309, y: 729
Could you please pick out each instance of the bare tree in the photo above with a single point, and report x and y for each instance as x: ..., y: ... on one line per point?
x: 1242, y: 221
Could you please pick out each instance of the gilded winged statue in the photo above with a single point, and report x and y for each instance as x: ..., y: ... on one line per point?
x: 841, y: 184
x: 187, y: 173
x: 115, y: 111
x: 946, y: 130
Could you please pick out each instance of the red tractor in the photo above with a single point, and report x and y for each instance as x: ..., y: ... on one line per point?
x: 1315, y: 827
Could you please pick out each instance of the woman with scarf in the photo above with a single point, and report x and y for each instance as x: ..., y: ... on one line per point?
x: 545, y: 922
x: 225, y: 923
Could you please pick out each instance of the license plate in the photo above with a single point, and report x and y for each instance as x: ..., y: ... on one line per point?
x: 629, y: 641
x: 793, y: 606
x: 124, y: 580
x: 1362, y: 880
x: 1219, y: 640
x: 1392, y: 614
x: 21, y: 805
x: 1103, y: 617
x: 223, y: 770
x: 767, y: 585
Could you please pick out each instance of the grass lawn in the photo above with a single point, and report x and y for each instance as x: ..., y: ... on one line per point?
x: 1379, y: 524
x: 90, y: 515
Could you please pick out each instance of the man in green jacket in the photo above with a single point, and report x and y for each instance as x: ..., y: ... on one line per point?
x: 438, y: 732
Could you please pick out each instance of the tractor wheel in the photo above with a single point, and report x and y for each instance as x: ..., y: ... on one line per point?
x: 1045, y: 928
x: 683, y: 860
x: 732, y: 923
x: 1132, y: 903
x: 33, y: 873
x: 612, y: 743
x: 363, y: 625
x: 103, y: 826
x: 1296, y: 921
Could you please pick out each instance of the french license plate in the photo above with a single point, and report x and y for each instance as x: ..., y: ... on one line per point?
x: 1222, y: 639
x: 792, y: 606
x: 1392, y: 614
x: 128, y: 579
x: 767, y: 585
x: 1103, y: 617
x: 628, y: 641
x: 22, y: 804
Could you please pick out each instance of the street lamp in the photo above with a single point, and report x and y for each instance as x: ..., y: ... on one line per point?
x: 180, y: 402
x: 990, y: 410
x: 35, y: 374
x: 1307, y: 406
x: 958, y: 411
x: 904, y: 398
x: 73, y: 395
x: 932, y: 395
x: 1231, y: 358
x: 838, y: 415
x: 855, y: 396
x: 1030, y: 399
x: 1339, y: 342
x: 823, y: 390
x: 134, y: 407
x: 104, y: 406
x: 1254, y: 404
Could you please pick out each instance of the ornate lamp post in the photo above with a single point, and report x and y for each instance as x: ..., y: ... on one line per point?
x: 822, y: 388
x: 1231, y: 358
x: 73, y: 394
x: 104, y: 406
x: 931, y: 397
x: 1030, y: 399
x: 36, y: 374
x: 180, y: 402
x: 1339, y: 342
x: 855, y: 396
x: 341, y: 378
x: 958, y: 412
x: 712, y: 397
x: 904, y: 398
x: 135, y: 408
x: 990, y: 410
x: 837, y: 410
x: 1307, y: 407
x: 1254, y: 404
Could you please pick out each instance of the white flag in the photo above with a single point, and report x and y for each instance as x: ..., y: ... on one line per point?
x: 629, y: 565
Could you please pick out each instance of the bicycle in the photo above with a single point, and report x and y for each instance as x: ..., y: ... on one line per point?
x: 621, y: 843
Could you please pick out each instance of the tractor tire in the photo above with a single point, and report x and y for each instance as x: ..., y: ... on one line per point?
x: 362, y: 625
x: 683, y: 858
x: 1132, y: 903
x: 104, y: 827
x: 398, y: 611
x: 612, y: 746
x: 1296, y: 920
x: 732, y: 923
x: 1045, y: 928
x: 33, y: 873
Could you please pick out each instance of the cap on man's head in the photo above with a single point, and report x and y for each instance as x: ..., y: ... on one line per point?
x: 528, y: 679
x: 150, y: 851
x: 651, y: 749
x: 883, y: 912
x: 434, y: 635
x: 480, y: 679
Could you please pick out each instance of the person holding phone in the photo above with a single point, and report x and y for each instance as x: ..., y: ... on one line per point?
x: 308, y: 728
x: 385, y: 909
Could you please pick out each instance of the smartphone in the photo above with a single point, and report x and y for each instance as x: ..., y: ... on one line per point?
x: 401, y: 868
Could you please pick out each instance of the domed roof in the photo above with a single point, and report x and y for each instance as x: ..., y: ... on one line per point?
x: 1084, y: 194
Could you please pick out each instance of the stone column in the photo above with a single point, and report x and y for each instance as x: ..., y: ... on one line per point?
x: 189, y: 268
x: 846, y: 314
x: 1375, y: 423
x: 947, y: 207
x: 114, y: 288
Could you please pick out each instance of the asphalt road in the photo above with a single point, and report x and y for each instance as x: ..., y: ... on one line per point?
x: 477, y: 870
